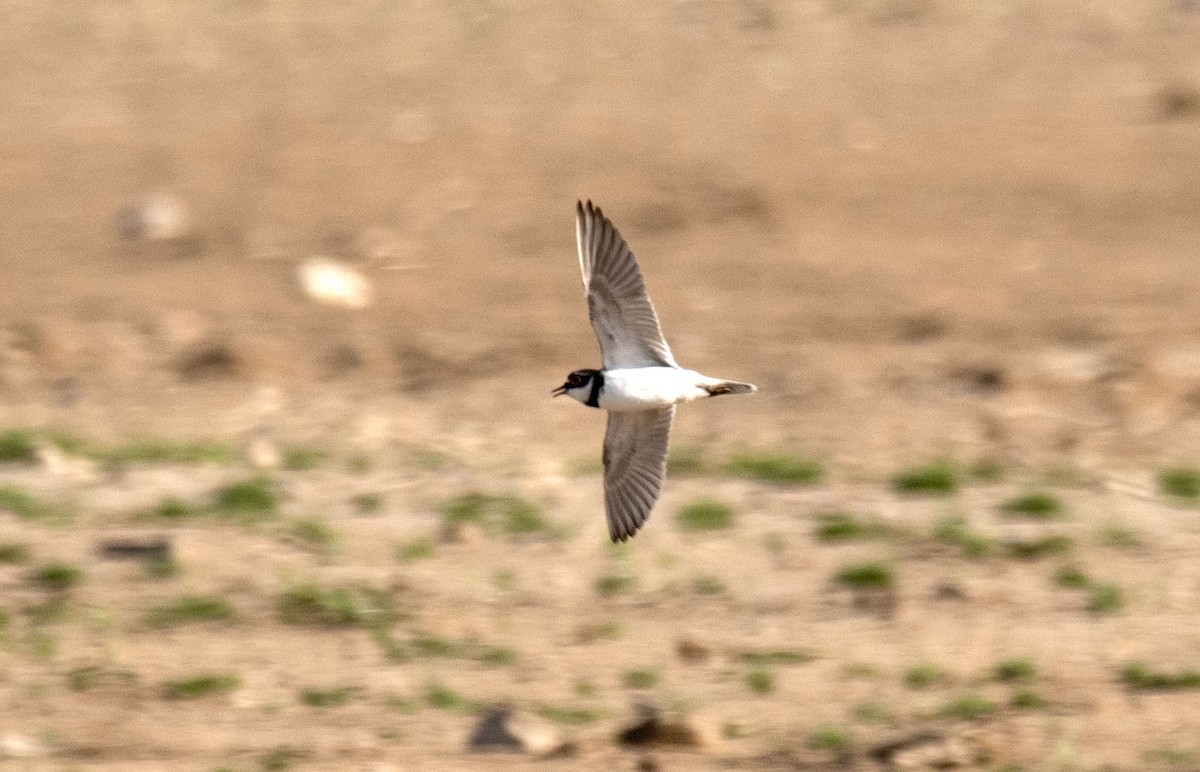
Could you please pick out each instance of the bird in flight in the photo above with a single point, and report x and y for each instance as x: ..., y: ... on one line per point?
x: 639, y: 382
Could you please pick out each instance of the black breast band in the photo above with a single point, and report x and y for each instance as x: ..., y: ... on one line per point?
x: 593, y: 399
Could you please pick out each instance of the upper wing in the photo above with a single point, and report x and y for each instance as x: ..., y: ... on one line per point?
x: 620, y: 309
x: 635, y: 463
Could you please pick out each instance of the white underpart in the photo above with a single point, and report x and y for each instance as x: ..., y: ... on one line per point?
x: 643, y: 388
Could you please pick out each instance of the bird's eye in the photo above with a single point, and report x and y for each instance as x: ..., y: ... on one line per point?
x: 574, y: 379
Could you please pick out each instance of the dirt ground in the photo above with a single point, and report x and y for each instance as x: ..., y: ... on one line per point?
x: 926, y: 229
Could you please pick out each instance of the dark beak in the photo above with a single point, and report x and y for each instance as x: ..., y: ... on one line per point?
x: 561, y: 390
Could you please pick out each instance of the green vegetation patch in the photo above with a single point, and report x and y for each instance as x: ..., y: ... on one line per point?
x: 442, y: 697
x: 161, y: 451
x: 312, y: 605
x: 871, y: 575
x: 776, y: 468
x: 27, y: 506
x: 925, y: 675
x: 251, y: 500
x: 205, y: 685
x: 843, y: 526
x: 939, y: 478
x: 760, y: 680
x: 573, y: 716
x: 1016, y: 669
x: 1037, y: 505
x: 18, y: 446
x: 190, y: 608
x: 13, y: 552
x: 957, y: 532
x: 1140, y: 676
x: 641, y: 678
x: 968, y: 707
x: 511, y: 515
x: 1180, y: 482
x: 705, y: 515
x: 829, y: 738
x: 56, y: 577
x: 303, y: 459
x: 327, y: 698
x: 765, y: 657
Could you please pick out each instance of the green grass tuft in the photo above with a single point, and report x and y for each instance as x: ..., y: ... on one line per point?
x: 1019, y: 669
x: 302, y: 459
x: 1037, y: 505
x: 642, y: 678
x: 18, y: 446
x: 1027, y: 699
x: 776, y: 468
x: 248, y: 501
x: 764, y: 657
x: 313, y: 534
x: 829, y: 738
x: 512, y: 515
x: 708, y: 584
x: 327, y: 698
x: 1072, y: 577
x: 615, y: 583
x: 968, y: 707
x: 26, y: 506
x: 160, y: 451
x: 568, y: 716
x: 190, y: 608
x: 1180, y: 482
x: 760, y: 680
x: 198, y: 686
x: 940, y: 478
x: 1051, y: 544
x: 368, y: 503
x: 955, y: 531
x: 1105, y: 598
x: 866, y: 576
x: 173, y: 508
x: 873, y: 713
x: 705, y: 515
x: 315, y: 606
x: 56, y: 577
x: 1140, y: 677
x: 422, y: 548
x: 843, y: 526
x: 924, y: 676
x: 13, y: 552
x: 442, y: 697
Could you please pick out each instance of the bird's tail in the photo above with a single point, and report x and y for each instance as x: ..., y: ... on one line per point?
x: 717, y: 388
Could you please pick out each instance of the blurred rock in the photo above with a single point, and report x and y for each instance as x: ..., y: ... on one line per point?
x: 15, y: 746
x: 502, y: 729
x: 931, y: 749
x: 264, y: 454
x: 693, y: 651
x: 651, y: 729
x: 328, y: 281
x: 461, y: 533
x: 162, y: 220
x: 147, y: 548
x: 57, y: 462
x: 208, y: 361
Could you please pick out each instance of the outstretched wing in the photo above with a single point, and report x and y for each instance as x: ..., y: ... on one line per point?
x: 635, y: 463
x: 620, y: 309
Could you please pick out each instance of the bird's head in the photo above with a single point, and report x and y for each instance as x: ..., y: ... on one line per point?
x: 578, y: 385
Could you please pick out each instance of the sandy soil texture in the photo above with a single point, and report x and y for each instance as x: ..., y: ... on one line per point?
x: 933, y: 232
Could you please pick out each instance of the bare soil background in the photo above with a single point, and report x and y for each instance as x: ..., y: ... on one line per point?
x: 926, y: 229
